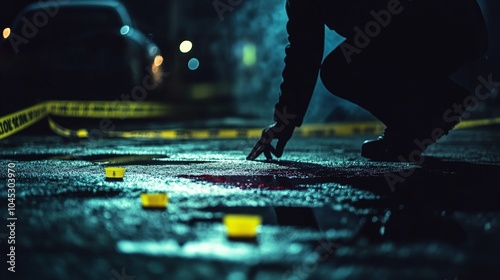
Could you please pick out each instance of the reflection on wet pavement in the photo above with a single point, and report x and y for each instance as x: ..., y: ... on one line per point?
x: 325, y: 215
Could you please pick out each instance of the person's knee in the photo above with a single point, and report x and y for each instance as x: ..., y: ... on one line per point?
x: 333, y: 77
x: 326, y: 77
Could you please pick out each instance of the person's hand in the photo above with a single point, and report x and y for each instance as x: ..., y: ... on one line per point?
x: 278, y: 131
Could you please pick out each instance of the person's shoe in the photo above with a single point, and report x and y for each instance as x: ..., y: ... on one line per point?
x: 388, y: 147
x: 403, y: 145
x: 407, y: 138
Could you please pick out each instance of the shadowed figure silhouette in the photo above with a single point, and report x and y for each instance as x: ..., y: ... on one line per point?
x: 395, y: 63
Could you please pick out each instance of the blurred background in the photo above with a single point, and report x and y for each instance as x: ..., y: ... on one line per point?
x: 223, y: 57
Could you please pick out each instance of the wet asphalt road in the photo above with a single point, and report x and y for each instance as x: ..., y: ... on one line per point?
x: 327, y: 213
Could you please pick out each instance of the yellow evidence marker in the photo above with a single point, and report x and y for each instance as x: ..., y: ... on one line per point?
x: 114, y: 172
x: 242, y: 225
x: 154, y: 200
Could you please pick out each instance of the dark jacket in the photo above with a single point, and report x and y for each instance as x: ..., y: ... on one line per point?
x: 305, y: 27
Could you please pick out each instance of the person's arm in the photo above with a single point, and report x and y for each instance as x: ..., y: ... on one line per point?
x: 304, y: 54
x: 303, y: 57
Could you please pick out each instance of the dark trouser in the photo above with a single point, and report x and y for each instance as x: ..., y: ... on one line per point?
x: 402, y: 75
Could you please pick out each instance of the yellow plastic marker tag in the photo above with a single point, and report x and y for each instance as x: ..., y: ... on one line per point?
x: 114, y: 172
x: 154, y: 200
x: 242, y: 226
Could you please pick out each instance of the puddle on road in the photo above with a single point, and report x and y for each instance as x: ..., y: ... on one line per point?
x: 218, y: 251
x: 265, y: 182
x: 300, y: 217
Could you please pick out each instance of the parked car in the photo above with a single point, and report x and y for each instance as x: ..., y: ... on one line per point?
x: 78, y: 50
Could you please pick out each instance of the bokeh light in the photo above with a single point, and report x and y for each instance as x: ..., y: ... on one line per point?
x: 186, y: 46
x: 6, y: 33
x: 249, y: 54
x: 158, y: 60
x: 193, y: 64
x: 124, y: 30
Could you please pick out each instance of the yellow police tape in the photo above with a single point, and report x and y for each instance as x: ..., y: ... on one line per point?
x: 312, y: 130
x: 320, y: 130
x: 22, y: 119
